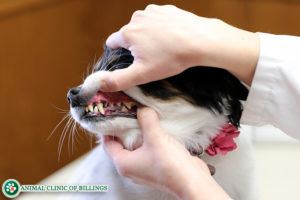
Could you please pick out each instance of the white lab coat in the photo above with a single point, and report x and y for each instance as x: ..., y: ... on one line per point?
x: 274, y: 96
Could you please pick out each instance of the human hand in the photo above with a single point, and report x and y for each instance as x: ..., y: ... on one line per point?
x: 161, y: 161
x: 166, y: 40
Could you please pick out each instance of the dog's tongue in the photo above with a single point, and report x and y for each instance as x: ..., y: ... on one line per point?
x: 112, y: 97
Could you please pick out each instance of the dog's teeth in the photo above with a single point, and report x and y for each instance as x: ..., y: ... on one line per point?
x: 90, y: 108
x: 100, y: 108
x: 96, y: 109
x: 123, y: 109
x: 129, y: 105
x: 86, y: 109
x: 119, y: 104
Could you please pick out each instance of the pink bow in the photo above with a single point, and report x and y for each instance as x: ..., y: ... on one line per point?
x: 223, y: 142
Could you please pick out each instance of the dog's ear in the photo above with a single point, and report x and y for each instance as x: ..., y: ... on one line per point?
x: 213, y: 88
x: 113, y: 59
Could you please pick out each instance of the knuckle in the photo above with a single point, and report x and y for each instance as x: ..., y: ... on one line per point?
x: 126, y: 35
x: 151, y: 7
x: 137, y: 14
x: 170, y: 6
x: 128, y: 30
x: 123, y: 171
x: 125, y: 31
x: 215, y: 20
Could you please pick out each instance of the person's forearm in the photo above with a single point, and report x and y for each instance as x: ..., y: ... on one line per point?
x: 205, y: 187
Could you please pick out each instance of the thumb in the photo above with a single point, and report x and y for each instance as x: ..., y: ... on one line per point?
x: 113, y: 148
x: 150, y: 125
x: 124, y: 78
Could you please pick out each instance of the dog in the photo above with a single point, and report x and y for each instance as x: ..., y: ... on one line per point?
x: 201, y: 108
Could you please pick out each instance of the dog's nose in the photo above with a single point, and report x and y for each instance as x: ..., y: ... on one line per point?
x: 73, y: 96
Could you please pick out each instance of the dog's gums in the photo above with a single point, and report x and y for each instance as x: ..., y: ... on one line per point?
x: 111, y: 105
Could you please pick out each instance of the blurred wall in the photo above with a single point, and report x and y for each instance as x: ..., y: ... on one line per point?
x: 45, y: 48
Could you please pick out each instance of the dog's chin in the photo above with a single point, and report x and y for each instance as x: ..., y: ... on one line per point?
x: 126, y: 130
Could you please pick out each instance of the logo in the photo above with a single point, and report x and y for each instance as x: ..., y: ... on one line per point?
x: 11, y: 188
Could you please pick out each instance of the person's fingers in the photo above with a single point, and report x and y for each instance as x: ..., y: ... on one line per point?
x: 123, y: 78
x: 149, y: 123
x: 113, y: 148
x: 117, y: 40
x: 119, y: 155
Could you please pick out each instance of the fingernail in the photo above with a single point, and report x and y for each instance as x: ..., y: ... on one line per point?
x: 107, y: 84
x: 103, y: 85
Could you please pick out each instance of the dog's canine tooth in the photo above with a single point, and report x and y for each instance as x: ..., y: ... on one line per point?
x: 100, y: 108
x: 119, y: 104
x: 90, y: 108
x: 86, y: 109
x: 96, y: 109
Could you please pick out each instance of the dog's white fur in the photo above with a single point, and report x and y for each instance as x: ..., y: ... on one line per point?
x: 187, y: 123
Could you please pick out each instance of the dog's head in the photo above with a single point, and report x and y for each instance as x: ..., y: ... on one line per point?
x: 192, y: 106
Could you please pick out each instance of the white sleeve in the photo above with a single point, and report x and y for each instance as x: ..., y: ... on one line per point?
x: 274, y: 96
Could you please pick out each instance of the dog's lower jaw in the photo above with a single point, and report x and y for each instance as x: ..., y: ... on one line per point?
x: 133, y: 139
x: 130, y: 138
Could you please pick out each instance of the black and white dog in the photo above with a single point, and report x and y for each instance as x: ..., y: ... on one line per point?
x: 200, y: 107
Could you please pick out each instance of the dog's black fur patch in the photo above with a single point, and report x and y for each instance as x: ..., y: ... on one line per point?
x: 212, y: 88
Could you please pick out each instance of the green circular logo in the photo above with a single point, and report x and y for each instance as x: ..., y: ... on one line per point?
x: 11, y: 188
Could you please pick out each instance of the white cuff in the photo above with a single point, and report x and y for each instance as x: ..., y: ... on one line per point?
x: 274, y: 96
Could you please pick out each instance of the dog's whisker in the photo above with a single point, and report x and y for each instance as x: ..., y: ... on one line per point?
x: 60, y: 109
x: 70, y: 134
x: 63, y: 135
x: 73, y: 132
x: 63, y: 119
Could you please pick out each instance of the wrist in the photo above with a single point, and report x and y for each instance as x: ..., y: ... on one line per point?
x: 237, y: 52
x: 202, y: 187
x: 243, y: 55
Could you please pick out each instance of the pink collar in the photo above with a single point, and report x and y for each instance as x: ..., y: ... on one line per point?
x: 223, y: 142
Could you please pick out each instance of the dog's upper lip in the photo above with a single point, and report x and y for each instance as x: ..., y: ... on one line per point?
x: 111, y: 97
